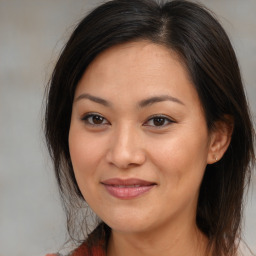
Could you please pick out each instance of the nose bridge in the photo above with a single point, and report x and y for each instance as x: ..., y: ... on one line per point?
x: 126, y: 147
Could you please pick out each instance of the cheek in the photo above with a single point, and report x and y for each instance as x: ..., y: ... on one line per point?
x: 182, y: 157
x: 182, y: 169
x: 84, y: 147
x: 83, y: 160
x: 84, y: 155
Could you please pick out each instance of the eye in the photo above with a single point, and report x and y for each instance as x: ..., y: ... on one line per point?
x: 95, y: 119
x: 158, y: 121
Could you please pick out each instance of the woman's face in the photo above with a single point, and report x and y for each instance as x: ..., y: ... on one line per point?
x: 138, y: 138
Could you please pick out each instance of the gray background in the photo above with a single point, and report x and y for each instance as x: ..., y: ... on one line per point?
x: 32, y: 33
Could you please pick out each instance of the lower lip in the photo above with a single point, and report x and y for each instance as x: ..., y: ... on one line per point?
x: 127, y: 192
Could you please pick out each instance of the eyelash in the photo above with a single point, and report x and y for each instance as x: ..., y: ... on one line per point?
x: 167, y: 121
x: 87, y: 117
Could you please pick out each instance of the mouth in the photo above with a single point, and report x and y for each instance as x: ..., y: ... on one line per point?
x: 127, y: 188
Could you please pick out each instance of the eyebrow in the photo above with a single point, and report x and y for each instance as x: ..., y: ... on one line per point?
x: 157, y: 99
x: 143, y: 103
x: 94, y: 99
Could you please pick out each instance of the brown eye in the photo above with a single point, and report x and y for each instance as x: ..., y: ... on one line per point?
x: 97, y: 119
x: 94, y: 119
x: 159, y: 121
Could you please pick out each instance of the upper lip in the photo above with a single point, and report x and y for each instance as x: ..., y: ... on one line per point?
x: 127, y: 182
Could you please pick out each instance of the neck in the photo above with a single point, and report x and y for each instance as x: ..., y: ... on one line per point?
x: 179, y: 241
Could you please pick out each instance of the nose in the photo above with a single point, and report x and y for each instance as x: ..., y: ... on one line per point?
x: 126, y: 148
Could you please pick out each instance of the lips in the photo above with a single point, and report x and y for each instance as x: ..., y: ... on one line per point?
x: 127, y: 188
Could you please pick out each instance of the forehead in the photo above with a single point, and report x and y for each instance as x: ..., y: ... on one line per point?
x: 136, y: 62
x: 127, y: 74
x: 145, y: 54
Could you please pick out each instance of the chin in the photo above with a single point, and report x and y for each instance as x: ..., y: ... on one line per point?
x: 129, y: 223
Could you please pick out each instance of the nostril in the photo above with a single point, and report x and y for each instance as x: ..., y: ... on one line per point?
x: 125, y: 148
x: 124, y: 159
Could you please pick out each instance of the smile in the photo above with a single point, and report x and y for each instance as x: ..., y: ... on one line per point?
x: 127, y: 189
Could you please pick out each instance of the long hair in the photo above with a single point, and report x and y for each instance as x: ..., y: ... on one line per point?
x: 197, y: 37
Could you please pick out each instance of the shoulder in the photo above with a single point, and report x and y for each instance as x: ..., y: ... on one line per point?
x: 95, y: 244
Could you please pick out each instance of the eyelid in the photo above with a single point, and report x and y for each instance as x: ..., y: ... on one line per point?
x: 167, y: 118
x: 86, y: 116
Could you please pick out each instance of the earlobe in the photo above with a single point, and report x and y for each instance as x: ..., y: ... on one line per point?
x: 220, y: 140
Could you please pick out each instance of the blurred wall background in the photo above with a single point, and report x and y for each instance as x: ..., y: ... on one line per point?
x: 32, y: 32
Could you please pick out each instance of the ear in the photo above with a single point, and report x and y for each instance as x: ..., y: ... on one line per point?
x: 220, y: 139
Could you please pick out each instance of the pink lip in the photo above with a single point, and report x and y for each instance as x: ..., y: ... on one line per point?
x: 127, y: 188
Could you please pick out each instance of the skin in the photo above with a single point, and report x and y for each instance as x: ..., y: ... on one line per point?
x: 123, y: 140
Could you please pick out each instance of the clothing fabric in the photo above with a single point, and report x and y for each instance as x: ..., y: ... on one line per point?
x: 96, y: 244
x: 84, y: 250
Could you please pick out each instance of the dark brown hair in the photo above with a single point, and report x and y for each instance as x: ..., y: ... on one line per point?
x: 197, y: 37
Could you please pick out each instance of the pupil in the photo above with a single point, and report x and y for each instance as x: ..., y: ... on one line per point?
x: 158, y: 121
x: 97, y: 119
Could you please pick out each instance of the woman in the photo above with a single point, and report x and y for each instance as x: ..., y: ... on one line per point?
x: 147, y: 123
